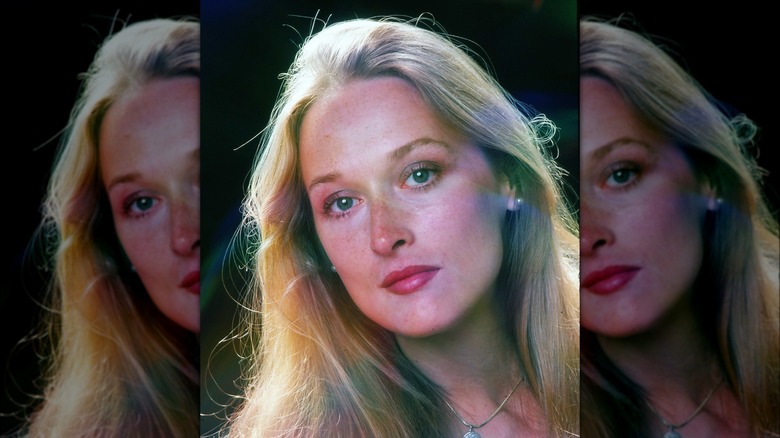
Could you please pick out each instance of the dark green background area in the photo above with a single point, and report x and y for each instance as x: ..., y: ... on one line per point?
x: 531, y: 49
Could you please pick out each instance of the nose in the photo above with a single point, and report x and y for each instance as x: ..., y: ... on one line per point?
x: 389, y: 228
x: 594, y: 229
x: 185, y: 227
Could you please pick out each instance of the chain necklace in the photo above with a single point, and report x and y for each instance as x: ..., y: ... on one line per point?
x: 471, y: 433
x: 672, y: 433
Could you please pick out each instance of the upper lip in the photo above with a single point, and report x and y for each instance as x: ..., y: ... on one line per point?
x: 596, y: 276
x: 403, y: 273
x: 190, y: 279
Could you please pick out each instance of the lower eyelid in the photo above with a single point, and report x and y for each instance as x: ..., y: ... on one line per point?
x: 327, y: 209
x: 128, y: 207
x: 435, y: 174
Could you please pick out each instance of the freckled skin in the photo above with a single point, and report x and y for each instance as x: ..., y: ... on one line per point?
x: 453, y: 223
x: 150, y: 165
x: 654, y: 225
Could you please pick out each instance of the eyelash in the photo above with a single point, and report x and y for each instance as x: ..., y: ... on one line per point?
x: 130, y: 207
x: 331, y: 201
x: 408, y: 172
x: 427, y: 166
x: 634, y: 170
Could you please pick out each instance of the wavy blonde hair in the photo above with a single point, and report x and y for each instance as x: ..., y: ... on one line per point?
x: 117, y: 366
x: 318, y: 366
x: 738, y: 291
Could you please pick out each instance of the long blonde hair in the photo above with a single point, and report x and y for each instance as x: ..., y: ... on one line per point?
x: 321, y: 368
x: 117, y: 366
x: 738, y: 289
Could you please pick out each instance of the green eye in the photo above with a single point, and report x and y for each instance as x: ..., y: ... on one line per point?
x: 621, y: 176
x: 421, y: 176
x: 143, y: 204
x: 139, y: 206
x: 344, y: 204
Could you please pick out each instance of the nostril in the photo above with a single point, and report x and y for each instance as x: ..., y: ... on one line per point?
x: 599, y: 243
x: 399, y: 244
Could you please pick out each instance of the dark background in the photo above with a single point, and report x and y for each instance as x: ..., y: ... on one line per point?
x: 728, y: 49
x: 45, y: 49
x: 531, y: 46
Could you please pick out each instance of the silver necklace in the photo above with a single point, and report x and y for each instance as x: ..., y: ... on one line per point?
x: 471, y: 433
x: 672, y: 433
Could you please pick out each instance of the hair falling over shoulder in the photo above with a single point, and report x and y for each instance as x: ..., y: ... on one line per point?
x: 739, y: 279
x: 117, y: 367
x: 321, y: 368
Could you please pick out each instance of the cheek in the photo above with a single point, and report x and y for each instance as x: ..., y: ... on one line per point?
x: 144, y: 242
x: 667, y: 234
x: 662, y: 218
x: 345, y: 246
x: 470, y: 212
x: 461, y: 221
x: 682, y: 225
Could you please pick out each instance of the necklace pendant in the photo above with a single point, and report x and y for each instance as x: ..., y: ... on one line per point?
x: 672, y: 434
x: 471, y: 434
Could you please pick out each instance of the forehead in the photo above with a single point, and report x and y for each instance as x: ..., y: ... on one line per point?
x: 159, y: 119
x: 605, y: 117
x: 362, y: 102
x: 366, y: 116
x: 609, y: 125
x: 158, y: 97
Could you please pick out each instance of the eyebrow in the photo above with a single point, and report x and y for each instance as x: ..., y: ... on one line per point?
x: 409, y: 147
x: 128, y: 177
x: 394, y: 155
x: 122, y: 179
x: 604, y: 150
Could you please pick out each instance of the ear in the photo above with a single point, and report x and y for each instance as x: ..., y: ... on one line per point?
x: 711, y: 195
x: 514, y: 204
x: 513, y: 201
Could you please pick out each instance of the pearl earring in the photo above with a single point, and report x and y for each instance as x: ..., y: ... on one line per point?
x: 333, y: 268
x: 714, y: 204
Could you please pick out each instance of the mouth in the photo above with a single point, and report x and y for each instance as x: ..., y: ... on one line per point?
x: 409, y: 279
x: 609, y: 280
x: 191, y: 282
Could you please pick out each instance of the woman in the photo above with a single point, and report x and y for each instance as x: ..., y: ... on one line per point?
x: 122, y: 218
x: 415, y: 265
x: 679, y: 252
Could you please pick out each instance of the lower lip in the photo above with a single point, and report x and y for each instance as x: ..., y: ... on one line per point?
x: 612, y: 284
x: 412, y: 283
x: 194, y: 288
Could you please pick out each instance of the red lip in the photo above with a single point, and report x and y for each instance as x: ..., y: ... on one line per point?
x: 409, y: 279
x: 609, y: 279
x: 192, y: 282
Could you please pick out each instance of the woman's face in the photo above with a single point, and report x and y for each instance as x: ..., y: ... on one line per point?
x: 642, y: 211
x: 150, y: 164
x: 409, y: 213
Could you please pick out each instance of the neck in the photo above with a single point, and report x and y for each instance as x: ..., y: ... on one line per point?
x: 673, y: 361
x: 477, y: 368
x: 471, y: 356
